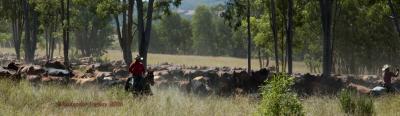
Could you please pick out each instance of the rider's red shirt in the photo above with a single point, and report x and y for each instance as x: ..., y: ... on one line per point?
x: 387, y: 77
x: 137, y: 68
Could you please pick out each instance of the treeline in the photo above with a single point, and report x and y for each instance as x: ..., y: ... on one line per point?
x: 86, y: 28
x: 92, y: 32
x: 88, y: 32
x: 362, y: 35
x: 206, y: 33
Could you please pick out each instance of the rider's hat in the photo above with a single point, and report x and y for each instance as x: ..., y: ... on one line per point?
x: 386, y: 66
x: 138, y: 57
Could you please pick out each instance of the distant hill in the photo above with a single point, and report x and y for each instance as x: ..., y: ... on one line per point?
x: 192, y: 4
x: 186, y: 9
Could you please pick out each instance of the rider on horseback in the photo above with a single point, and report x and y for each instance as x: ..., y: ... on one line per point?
x: 137, y: 81
x: 387, y: 78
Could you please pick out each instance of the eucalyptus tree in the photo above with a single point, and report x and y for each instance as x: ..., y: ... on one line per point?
x: 235, y: 12
x: 49, y: 18
x: 145, y: 21
x: 146, y: 9
x: 326, y: 19
x: 13, y: 10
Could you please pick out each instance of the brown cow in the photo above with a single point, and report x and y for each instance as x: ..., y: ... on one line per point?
x: 199, y: 86
x: 226, y: 83
x: 84, y: 81
x: 184, y: 86
x: 118, y: 72
x: 48, y: 79
x: 107, y: 67
x: 260, y: 76
x: 33, y: 78
x: 12, y: 66
x: 6, y: 73
x: 242, y: 79
x: 55, y: 65
x: 31, y: 70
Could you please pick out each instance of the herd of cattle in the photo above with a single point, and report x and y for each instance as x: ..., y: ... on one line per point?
x: 222, y: 81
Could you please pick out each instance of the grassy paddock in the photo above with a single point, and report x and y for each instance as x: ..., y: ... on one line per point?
x: 25, y: 99
x: 189, y: 60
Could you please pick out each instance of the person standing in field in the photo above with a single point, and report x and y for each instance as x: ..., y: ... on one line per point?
x: 387, y: 78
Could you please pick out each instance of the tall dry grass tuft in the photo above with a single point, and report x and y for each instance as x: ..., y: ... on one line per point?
x: 388, y: 105
x: 322, y: 106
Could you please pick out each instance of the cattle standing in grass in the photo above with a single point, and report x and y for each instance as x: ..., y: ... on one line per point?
x: 6, y: 73
x: 55, y: 65
x: 30, y: 70
x: 12, y: 66
x: 200, y: 86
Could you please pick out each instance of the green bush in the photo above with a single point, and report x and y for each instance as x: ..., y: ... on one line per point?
x: 346, y: 102
x: 359, y: 105
x: 278, y: 99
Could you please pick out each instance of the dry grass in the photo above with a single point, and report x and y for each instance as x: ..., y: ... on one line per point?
x: 192, y: 60
x: 329, y: 106
x: 25, y: 99
x: 322, y: 106
x: 388, y: 105
x: 189, y: 60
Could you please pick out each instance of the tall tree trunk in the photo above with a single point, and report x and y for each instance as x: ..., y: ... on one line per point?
x: 129, y: 33
x: 35, y: 28
x: 394, y: 16
x: 274, y: 33
x: 64, y: 32
x: 248, y: 38
x: 267, y: 64
x: 52, y: 42
x: 148, y: 27
x: 326, y: 16
x: 120, y: 38
x: 336, y: 14
x: 260, y: 59
x: 125, y: 39
x: 124, y: 25
x: 118, y: 29
x: 46, y: 34
x: 16, y: 27
x: 139, y: 6
x: 20, y: 26
x: 27, y: 31
x: 66, y: 35
x: 289, y: 35
x: 283, y: 57
x: 14, y: 32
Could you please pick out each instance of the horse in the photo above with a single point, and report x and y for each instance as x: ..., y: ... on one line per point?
x: 376, y: 91
x: 140, y: 85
